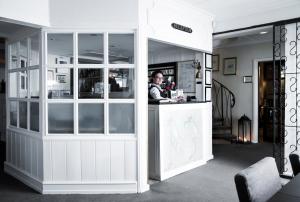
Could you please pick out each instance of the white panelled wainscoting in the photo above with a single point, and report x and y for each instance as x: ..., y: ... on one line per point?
x: 24, y: 157
x: 90, y: 165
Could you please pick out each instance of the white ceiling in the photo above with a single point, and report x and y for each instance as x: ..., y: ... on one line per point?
x: 243, y: 13
x: 8, y: 29
x: 229, y: 9
x: 245, y: 37
x: 156, y: 46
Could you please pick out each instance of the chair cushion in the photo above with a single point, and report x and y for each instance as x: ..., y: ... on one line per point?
x: 259, y: 182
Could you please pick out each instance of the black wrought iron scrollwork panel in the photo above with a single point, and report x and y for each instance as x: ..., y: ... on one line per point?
x: 286, y: 46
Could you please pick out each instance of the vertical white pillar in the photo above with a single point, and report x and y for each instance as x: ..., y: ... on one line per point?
x: 142, y: 98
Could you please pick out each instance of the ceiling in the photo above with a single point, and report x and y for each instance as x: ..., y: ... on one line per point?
x: 245, y: 37
x: 8, y: 29
x: 233, y: 14
x: 229, y: 9
x: 156, y: 46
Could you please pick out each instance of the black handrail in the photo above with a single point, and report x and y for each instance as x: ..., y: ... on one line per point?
x: 223, y: 101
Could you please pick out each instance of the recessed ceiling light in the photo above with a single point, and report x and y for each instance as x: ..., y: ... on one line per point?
x: 263, y: 32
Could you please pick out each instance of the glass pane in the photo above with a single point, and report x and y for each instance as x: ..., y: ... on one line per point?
x: 23, y: 53
x: 13, y: 113
x: 90, y: 83
x: 34, y: 116
x: 121, y: 48
x: 90, y: 49
x: 121, y: 83
x: 23, y: 84
x: 34, y: 50
x: 91, y: 118
x: 23, y: 114
x: 60, y: 49
x: 13, y: 79
x: 34, y: 83
x: 121, y: 118
x: 60, y: 118
x: 14, y: 56
x: 60, y: 83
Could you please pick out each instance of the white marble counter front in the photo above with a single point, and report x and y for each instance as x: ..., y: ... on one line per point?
x: 179, y: 138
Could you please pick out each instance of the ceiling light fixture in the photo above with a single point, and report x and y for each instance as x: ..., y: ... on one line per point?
x: 263, y: 32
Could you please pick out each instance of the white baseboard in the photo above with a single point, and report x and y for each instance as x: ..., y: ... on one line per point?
x: 210, y: 157
x: 70, y: 187
x: 23, y: 177
x: 166, y: 175
x: 121, y: 188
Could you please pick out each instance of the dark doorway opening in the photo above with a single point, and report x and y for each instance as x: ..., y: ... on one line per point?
x: 266, y: 99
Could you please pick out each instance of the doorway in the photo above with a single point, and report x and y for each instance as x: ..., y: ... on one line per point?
x: 266, y: 99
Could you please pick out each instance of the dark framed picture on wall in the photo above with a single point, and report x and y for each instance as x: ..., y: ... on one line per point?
x: 229, y: 66
x: 207, y: 77
x: 208, y: 61
x: 207, y: 93
x: 215, y: 63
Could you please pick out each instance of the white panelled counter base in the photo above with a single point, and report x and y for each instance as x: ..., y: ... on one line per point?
x: 180, y: 138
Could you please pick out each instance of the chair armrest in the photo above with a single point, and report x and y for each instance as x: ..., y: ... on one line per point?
x: 286, y: 176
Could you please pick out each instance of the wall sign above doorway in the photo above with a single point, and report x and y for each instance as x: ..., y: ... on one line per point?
x: 182, y: 28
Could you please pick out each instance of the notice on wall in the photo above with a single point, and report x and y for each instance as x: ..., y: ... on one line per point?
x: 186, y: 76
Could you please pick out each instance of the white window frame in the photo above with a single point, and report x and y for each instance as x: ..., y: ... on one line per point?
x: 76, y: 101
x: 19, y: 71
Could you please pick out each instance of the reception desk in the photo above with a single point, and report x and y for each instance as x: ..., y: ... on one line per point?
x: 180, y: 137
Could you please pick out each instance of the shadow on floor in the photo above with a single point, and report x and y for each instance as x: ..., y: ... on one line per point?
x: 211, y: 182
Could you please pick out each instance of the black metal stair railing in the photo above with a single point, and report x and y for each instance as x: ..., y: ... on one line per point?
x: 223, y: 100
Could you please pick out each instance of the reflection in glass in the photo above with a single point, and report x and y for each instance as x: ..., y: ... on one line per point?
x: 90, y: 49
x: 90, y: 83
x: 23, y: 84
x: 14, y: 56
x: 60, y: 83
x: 60, y: 118
x: 121, y: 48
x: 13, y: 113
x: 34, y: 116
x: 23, y: 53
x: 91, y: 118
x: 13, y: 79
x: 121, y: 118
x: 34, y: 50
x: 23, y: 114
x: 121, y: 83
x: 34, y: 83
x: 60, y: 49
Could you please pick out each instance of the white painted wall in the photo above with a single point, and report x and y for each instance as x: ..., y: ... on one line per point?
x: 116, y: 14
x: 243, y: 91
x: 162, y: 13
x: 34, y: 12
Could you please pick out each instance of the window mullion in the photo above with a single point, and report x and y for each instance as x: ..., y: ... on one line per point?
x: 75, y: 82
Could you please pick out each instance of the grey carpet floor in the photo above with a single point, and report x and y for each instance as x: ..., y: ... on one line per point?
x: 211, y: 182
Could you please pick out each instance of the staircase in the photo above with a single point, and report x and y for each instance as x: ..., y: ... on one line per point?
x: 223, y: 100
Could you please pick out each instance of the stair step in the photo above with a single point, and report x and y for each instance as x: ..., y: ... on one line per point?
x: 230, y: 138
x: 217, y: 119
x: 221, y: 127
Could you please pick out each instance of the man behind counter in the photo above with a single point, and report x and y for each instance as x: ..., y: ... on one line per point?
x: 155, y: 91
